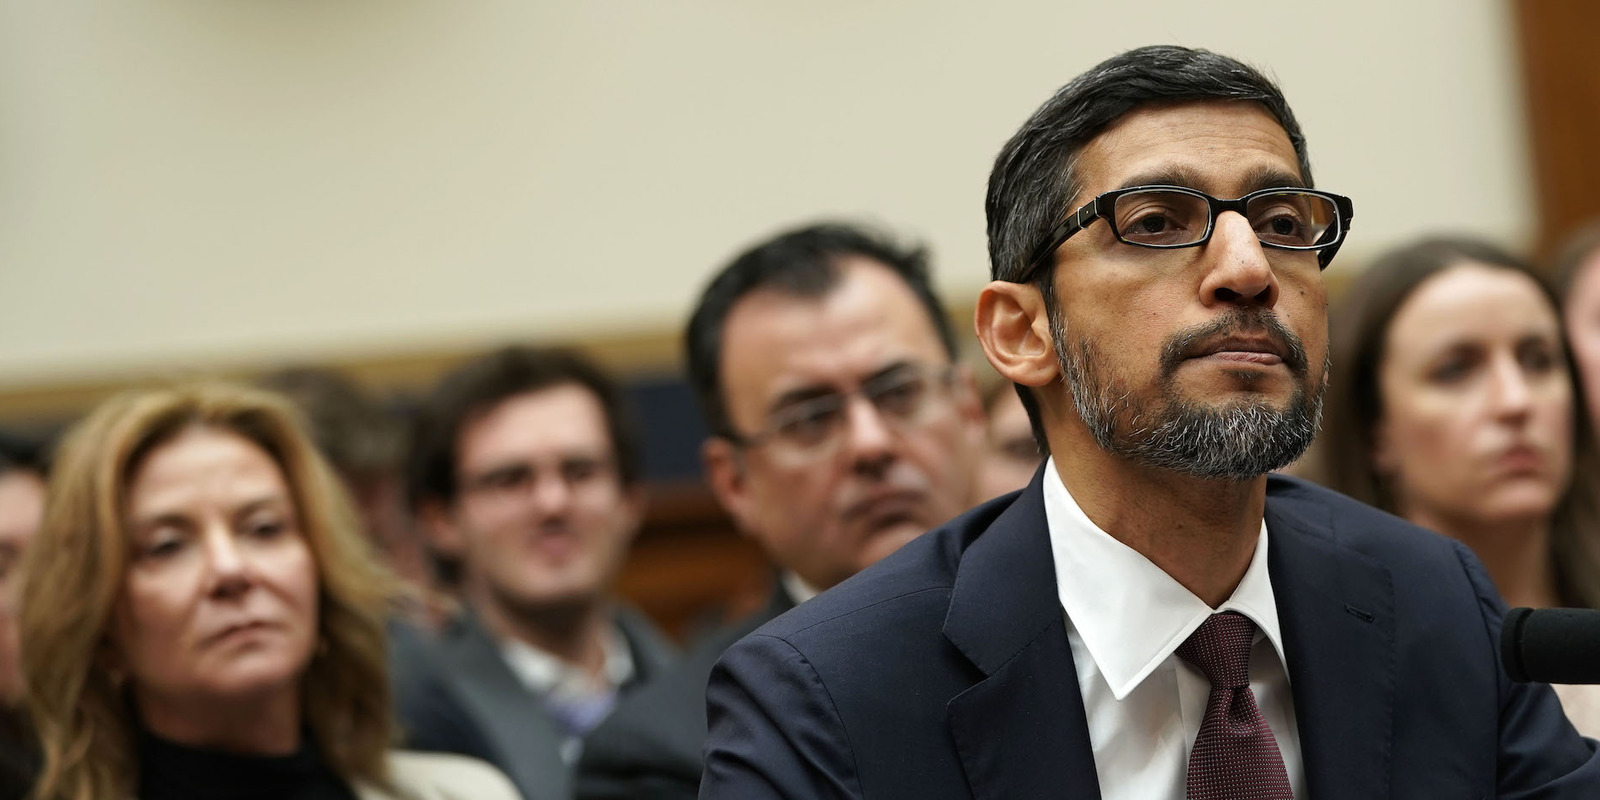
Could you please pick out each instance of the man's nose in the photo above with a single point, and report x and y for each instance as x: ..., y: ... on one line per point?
x: 552, y: 494
x: 1239, y: 273
x: 868, y: 435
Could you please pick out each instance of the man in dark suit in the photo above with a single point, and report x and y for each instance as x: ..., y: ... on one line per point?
x: 841, y: 428
x: 525, y: 471
x: 1153, y: 617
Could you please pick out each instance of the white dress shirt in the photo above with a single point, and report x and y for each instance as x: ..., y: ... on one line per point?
x: 1125, y: 619
x: 546, y: 675
x: 799, y: 591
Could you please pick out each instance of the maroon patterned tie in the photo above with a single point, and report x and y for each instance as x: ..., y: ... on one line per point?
x: 1235, y: 756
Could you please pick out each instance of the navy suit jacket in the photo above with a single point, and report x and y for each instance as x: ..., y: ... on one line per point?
x: 944, y: 672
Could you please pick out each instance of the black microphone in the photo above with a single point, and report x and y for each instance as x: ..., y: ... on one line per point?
x: 1551, y: 645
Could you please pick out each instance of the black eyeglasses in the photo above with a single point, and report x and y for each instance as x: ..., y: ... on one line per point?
x: 1168, y: 217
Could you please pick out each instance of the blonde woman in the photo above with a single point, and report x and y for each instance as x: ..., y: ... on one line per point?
x: 201, y: 619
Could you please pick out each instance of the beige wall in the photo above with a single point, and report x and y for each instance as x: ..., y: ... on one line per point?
x: 236, y: 182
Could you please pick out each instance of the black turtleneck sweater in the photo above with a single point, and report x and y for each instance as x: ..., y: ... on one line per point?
x: 170, y: 771
x: 19, y: 759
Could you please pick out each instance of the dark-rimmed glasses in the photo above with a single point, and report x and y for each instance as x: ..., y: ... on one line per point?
x: 814, y: 426
x: 1168, y: 217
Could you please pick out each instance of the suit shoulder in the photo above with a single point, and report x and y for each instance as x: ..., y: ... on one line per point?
x: 919, y: 574
x: 653, y: 652
x: 440, y: 776
x: 1354, y: 524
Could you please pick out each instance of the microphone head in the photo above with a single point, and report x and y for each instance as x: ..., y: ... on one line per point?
x: 1551, y: 645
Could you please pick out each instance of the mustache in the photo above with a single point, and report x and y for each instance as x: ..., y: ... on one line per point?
x: 1237, y: 322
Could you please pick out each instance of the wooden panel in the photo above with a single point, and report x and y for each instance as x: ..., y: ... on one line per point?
x: 1561, y: 74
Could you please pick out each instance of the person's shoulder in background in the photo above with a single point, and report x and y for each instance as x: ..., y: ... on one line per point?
x: 650, y: 747
x: 441, y: 776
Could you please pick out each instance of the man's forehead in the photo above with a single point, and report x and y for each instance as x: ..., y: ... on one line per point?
x: 869, y: 320
x: 563, y: 418
x: 1224, y: 147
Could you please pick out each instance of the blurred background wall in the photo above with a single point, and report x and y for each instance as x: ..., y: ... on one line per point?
x: 238, y: 184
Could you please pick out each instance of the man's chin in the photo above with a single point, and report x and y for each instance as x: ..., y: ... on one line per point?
x: 1225, y: 395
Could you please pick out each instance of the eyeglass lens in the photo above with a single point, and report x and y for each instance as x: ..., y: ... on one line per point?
x: 1166, y: 218
x: 896, y: 396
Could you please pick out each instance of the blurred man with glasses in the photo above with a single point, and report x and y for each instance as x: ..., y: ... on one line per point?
x: 1154, y: 617
x: 842, y: 428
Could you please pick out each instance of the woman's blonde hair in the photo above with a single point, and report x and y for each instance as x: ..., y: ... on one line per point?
x: 73, y: 575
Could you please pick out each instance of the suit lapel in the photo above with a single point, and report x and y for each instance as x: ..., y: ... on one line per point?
x: 1336, y: 609
x: 513, y: 717
x: 1020, y: 730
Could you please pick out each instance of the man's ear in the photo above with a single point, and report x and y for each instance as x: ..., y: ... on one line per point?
x: 725, y: 471
x: 439, y: 525
x: 1014, y: 330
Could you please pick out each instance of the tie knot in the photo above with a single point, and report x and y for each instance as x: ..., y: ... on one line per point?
x: 1220, y: 648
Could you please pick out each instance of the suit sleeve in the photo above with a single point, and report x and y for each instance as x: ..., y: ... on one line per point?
x: 775, y: 732
x: 1541, y: 756
x: 433, y: 720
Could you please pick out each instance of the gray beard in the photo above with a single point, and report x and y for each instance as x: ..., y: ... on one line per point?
x: 1235, y: 442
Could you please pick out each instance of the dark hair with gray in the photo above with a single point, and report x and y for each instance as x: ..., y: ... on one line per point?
x: 804, y: 263
x: 1358, y: 336
x: 1035, y: 179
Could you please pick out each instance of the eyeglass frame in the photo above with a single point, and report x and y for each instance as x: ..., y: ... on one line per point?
x: 1105, y: 203
x: 942, y: 376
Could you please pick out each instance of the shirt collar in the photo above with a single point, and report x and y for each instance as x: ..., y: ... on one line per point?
x: 799, y: 591
x: 544, y: 673
x: 1129, y: 613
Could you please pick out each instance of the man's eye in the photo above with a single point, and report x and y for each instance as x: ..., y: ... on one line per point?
x: 579, y: 469
x: 901, y: 399
x: 809, y: 426
x: 1153, y: 223
x: 1161, y: 225
x: 505, y: 479
x: 1282, y: 227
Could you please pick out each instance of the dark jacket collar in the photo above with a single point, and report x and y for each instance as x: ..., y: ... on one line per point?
x: 1335, y: 606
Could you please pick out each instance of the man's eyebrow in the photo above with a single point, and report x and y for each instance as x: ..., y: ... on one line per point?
x: 1165, y: 176
x: 1272, y: 178
x: 812, y: 391
x: 1264, y: 177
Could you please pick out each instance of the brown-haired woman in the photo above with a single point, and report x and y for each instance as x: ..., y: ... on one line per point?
x: 1453, y: 403
x: 200, y: 617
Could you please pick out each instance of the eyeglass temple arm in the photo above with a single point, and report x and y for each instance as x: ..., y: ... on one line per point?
x: 1347, y: 214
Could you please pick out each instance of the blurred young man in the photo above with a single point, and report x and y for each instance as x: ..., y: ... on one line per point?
x: 525, y: 472
x: 842, y: 428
